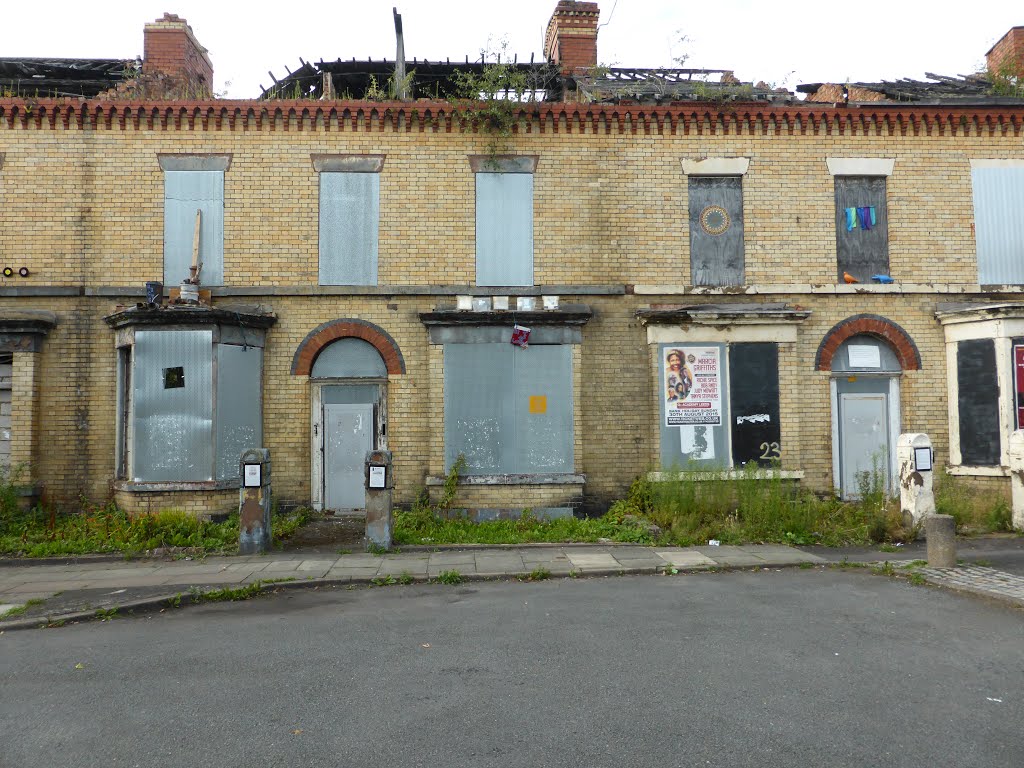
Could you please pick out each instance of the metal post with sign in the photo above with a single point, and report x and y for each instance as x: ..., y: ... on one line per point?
x: 379, y: 482
x: 254, y: 502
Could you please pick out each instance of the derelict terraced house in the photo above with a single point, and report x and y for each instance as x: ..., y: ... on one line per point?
x: 673, y: 250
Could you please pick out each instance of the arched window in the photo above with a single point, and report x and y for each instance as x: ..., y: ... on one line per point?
x: 865, y: 354
x: 349, y: 358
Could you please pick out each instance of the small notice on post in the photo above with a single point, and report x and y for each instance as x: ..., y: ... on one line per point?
x: 376, y: 477
x: 253, y: 476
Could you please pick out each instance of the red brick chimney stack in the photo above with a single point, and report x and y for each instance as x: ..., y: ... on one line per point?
x: 1006, y: 58
x: 170, y: 48
x: 571, y: 39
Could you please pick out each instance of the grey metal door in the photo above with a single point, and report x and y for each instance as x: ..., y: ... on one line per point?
x: 348, y: 435
x: 863, y: 442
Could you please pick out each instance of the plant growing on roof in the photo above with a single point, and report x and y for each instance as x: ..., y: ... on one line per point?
x: 490, y: 98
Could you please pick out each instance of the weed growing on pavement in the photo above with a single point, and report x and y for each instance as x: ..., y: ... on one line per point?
x: 384, y: 581
x: 450, y: 577
x: 540, y: 573
x: 228, y: 593
x: 917, y: 579
x: 19, y: 610
x: 106, y: 614
x: 405, y: 578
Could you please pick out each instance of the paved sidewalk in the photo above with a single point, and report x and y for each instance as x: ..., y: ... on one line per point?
x: 73, y: 587
x: 72, y: 590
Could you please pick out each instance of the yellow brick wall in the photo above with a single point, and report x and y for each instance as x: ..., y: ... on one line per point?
x: 83, y: 208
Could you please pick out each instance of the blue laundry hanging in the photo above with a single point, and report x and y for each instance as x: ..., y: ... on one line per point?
x: 851, y: 219
x: 866, y: 215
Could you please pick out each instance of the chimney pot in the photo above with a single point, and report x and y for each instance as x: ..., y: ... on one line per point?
x: 571, y: 39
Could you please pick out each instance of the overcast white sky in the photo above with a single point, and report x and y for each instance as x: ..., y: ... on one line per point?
x: 782, y: 42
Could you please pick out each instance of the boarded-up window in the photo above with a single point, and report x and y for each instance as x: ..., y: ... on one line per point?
x: 188, y: 419
x: 737, y: 383
x: 978, y: 402
x: 504, y: 229
x: 508, y: 410
x: 239, y: 415
x: 6, y: 404
x: 185, y: 193
x: 349, y: 216
x: 173, y: 437
x: 998, y: 224
x: 754, y: 403
x: 862, y: 239
x: 716, y: 230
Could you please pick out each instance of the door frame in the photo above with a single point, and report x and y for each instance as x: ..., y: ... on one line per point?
x: 317, y: 454
x: 893, y: 403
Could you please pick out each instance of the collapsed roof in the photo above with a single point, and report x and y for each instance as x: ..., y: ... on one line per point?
x: 54, y: 78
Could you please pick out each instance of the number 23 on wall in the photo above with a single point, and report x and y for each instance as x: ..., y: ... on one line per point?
x: 770, y: 451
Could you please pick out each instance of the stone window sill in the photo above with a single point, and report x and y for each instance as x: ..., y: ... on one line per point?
x: 131, y: 486
x: 964, y: 470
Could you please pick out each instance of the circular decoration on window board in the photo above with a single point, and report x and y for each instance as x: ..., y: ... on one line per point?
x: 714, y: 220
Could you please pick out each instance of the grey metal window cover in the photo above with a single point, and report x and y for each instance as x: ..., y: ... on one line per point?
x: 998, y: 224
x: 861, y: 252
x: 716, y: 230
x: 349, y: 358
x: 173, y: 428
x: 239, y: 405
x: 344, y: 395
x: 504, y: 229
x: 349, y: 224
x: 712, y: 443
x: 186, y: 192
x: 488, y: 418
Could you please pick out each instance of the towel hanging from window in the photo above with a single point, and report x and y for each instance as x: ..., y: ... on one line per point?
x: 851, y: 219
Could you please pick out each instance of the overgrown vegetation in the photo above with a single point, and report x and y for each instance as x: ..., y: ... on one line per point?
x: 755, y: 507
x: 43, y: 532
x: 492, y: 98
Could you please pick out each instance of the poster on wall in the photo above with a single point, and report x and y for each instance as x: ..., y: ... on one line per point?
x: 693, y: 386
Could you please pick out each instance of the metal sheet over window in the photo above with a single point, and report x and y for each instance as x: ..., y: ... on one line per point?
x: 998, y: 224
x: 504, y: 229
x: 509, y: 410
x: 861, y: 251
x: 349, y: 216
x: 716, y: 230
x: 349, y: 358
x: 978, y: 402
x: 186, y: 192
x: 542, y: 386
x: 696, y: 446
x: 173, y: 425
x: 239, y: 406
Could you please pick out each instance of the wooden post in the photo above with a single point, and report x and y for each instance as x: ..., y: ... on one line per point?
x: 400, y: 93
x: 194, y: 269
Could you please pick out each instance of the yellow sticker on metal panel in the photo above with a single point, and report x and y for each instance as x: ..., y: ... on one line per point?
x: 538, y: 403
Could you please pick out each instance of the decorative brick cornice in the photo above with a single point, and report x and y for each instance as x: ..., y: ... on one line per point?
x: 345, y: 328
x: 687, y: 118
x: 872, y: 325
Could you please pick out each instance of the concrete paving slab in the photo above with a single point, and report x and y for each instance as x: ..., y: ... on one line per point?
x: 307, y: 566
x: 399, y: 569
x: 592, y: 559
x: 451, y: 558
x: 684, y: 558
x: 357, y: 573
x: 5, y: 607
x: 206, y: 578
x: 742, y: 560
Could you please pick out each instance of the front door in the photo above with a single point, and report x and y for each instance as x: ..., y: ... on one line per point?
x: 348, y: 435
x: 864, y: 450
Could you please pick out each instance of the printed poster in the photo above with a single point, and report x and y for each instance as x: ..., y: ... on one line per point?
x: 693, y: 386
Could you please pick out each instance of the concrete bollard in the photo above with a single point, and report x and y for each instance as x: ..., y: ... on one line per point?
x: 379, y: 485
x: 254, y: 503
x: 914, y: 460
x: 1016, y: 454
x: 941, y: 533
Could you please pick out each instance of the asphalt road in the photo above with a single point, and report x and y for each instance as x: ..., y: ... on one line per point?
x: 771, y: 668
